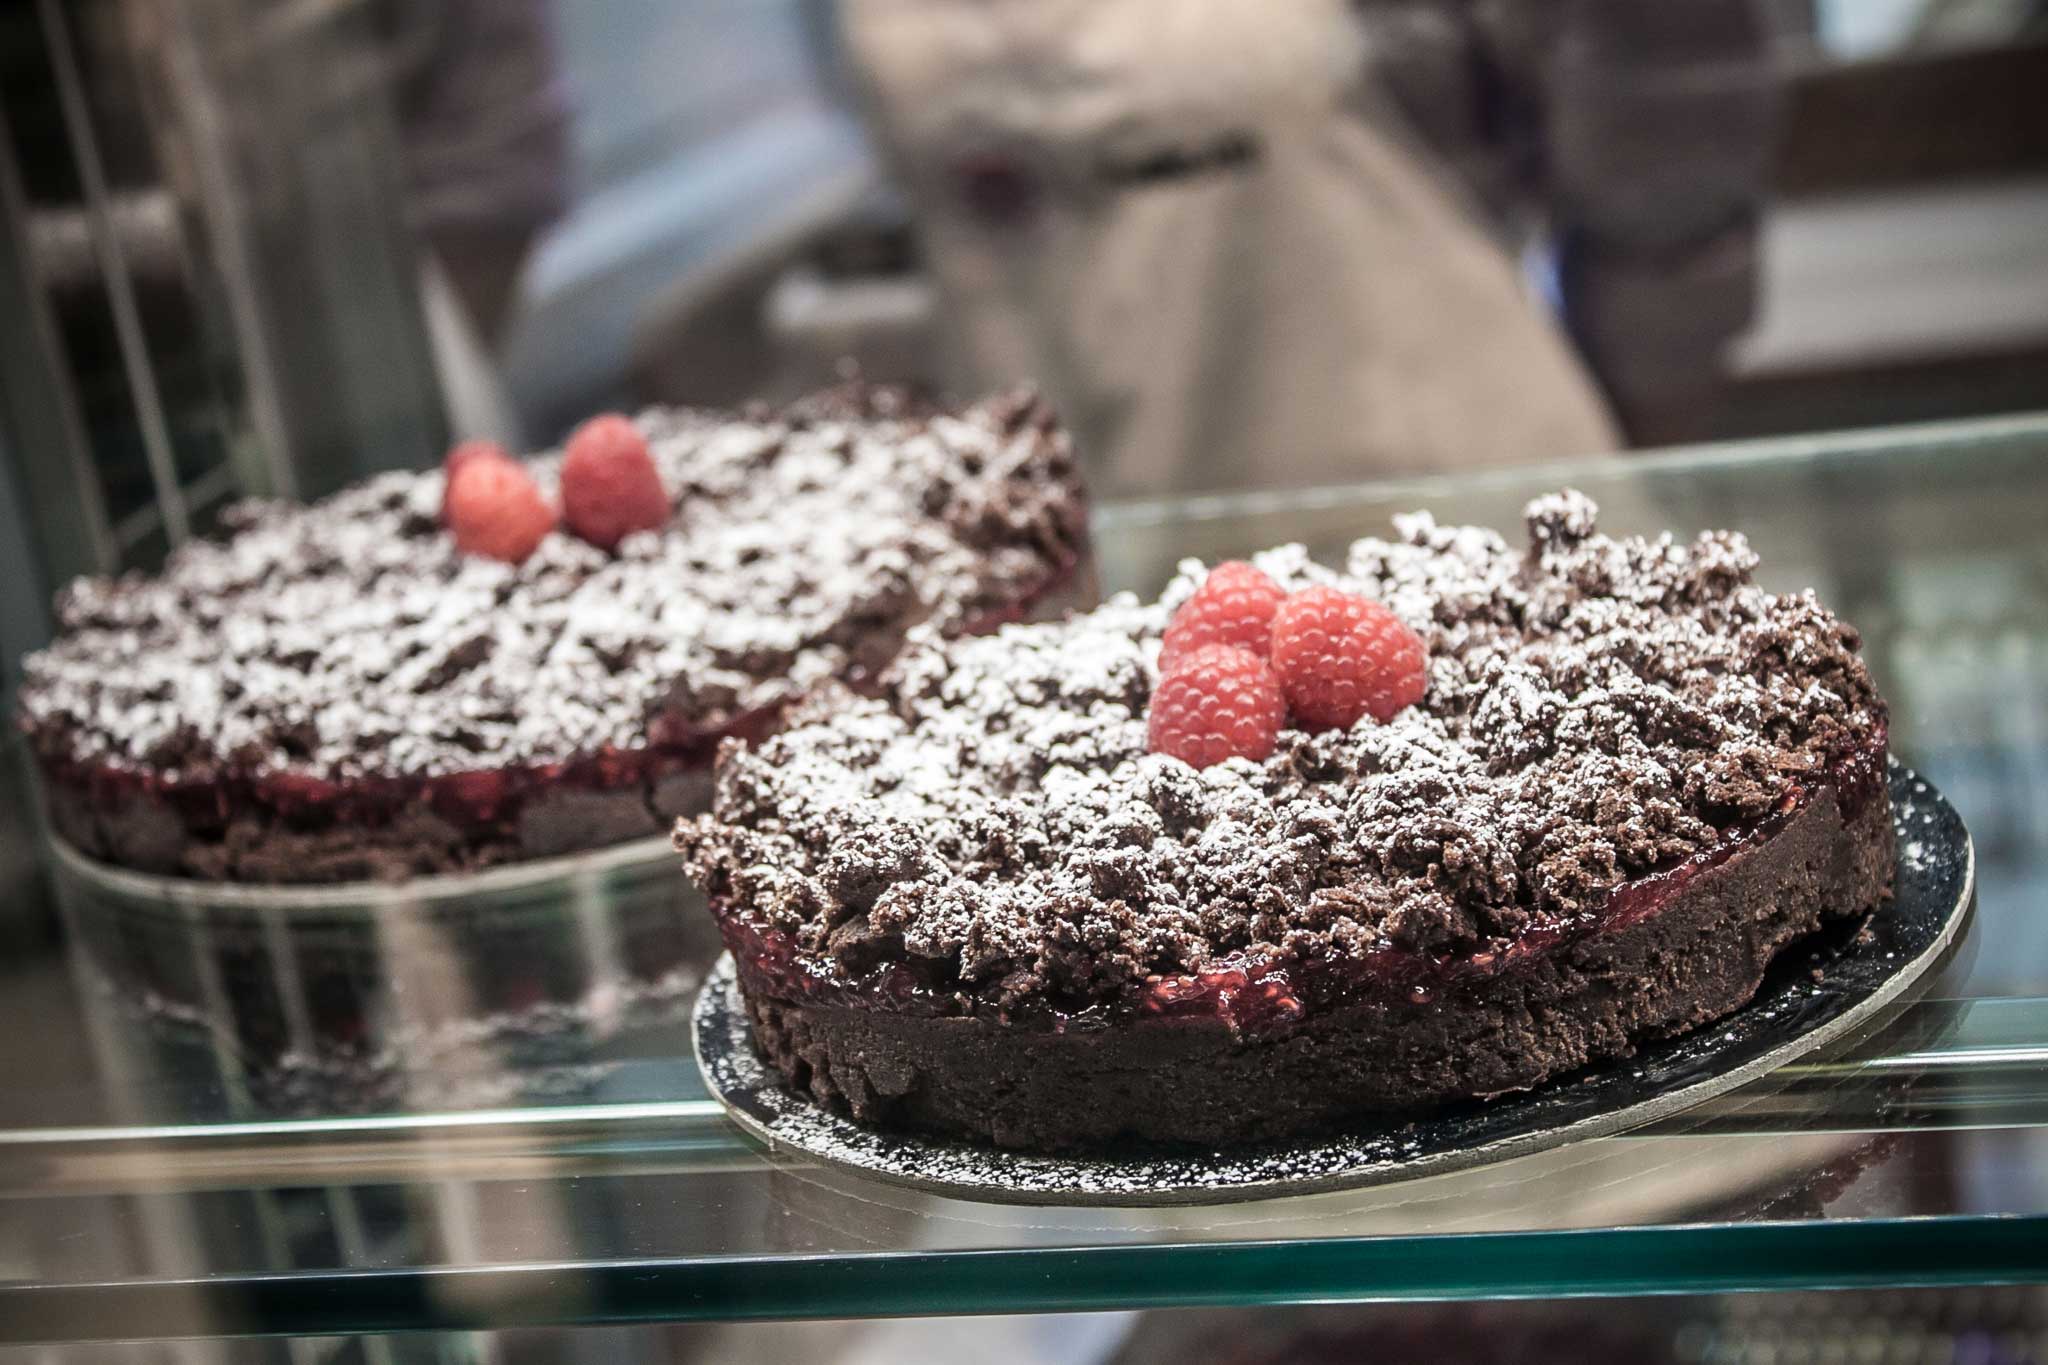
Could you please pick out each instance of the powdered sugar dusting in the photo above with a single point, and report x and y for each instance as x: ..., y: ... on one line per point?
x: 1597, y: 708
x: 351, y: 639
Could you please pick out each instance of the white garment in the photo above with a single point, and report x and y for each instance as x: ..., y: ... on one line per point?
x: 1321, y: 310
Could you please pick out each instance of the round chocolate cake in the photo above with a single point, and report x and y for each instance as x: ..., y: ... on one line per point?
x: 981, y: 904
x: 337, y: 692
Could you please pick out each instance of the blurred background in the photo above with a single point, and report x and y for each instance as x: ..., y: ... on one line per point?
x: 263, y: 246
x: 270, y: 246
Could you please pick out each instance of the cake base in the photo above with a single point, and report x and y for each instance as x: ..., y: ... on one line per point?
x: 1847, y: 979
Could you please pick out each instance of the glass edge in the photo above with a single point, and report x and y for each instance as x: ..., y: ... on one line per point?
x: 1872, y: 442
x: 1625, y: 1262
x: 1935, y: 1061
x: 651, y: 856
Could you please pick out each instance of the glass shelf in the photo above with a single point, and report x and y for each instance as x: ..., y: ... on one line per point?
x: 591, y: 1180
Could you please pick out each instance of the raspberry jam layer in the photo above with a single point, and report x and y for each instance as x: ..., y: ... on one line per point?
x: 482, y: 804
x: 486, y: 801
x: 1259, y: 995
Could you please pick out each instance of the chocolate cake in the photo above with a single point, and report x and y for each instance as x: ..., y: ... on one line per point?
x: 336, y: 692
x: 978, y: 905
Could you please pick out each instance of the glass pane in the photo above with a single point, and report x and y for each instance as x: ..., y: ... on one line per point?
x: 518, y: 1160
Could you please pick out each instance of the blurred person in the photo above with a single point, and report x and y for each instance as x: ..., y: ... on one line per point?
x: 1265, y: 242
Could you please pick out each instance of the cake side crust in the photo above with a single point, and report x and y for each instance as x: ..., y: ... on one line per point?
x: 1702, y: 955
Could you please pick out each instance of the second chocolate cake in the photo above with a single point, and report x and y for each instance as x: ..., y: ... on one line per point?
x: 987, y: 904
x: 337, y: 692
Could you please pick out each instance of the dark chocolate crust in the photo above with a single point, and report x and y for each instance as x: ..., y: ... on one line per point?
x: 1633, y: 776
x: 1197, y: 1080
x: 335, y: 693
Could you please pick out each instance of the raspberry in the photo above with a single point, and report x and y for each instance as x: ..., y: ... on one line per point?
x: 457, y: 457
x: 494, y: 508
x: 1340, y: 657
x: 1234, y: 606
x: 610, y: 487
x: 1216, y: 702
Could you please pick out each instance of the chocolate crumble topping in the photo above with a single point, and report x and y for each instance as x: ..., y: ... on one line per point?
x: 1598, y: 708
x: 350, y: 639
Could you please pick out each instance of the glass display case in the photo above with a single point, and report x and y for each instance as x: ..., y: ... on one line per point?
x: 181, y: 1159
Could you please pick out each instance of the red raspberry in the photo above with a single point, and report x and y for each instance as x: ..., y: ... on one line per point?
x: 1340, y: 657
x: 1216, y: 702
x: 460, y: 455
x: 610, y: 487
x: 1234, y: 606
x: 494, y: 508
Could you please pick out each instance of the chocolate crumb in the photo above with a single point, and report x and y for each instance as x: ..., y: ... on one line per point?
x: 1598, y: 708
